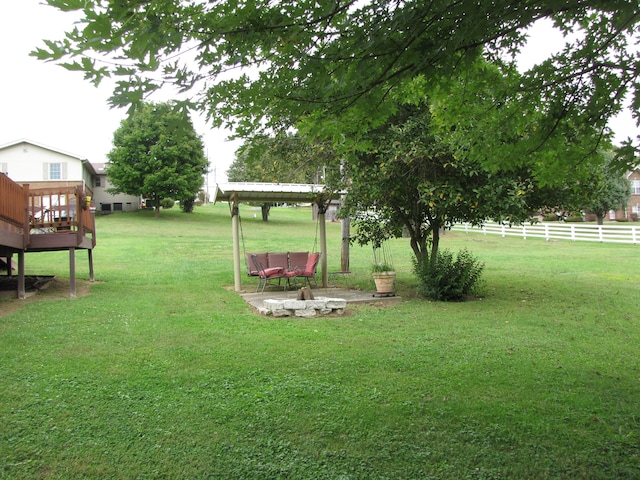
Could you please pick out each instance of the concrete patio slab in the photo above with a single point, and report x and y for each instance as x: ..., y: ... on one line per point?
x: 352, y: 296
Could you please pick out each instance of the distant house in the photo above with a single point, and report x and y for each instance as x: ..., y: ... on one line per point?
x: 633, y: 209
x: 107, y: 202
x: 25, y: 161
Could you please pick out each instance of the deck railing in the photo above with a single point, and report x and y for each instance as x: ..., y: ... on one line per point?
x: 60, y: 209
x: 13, y: 198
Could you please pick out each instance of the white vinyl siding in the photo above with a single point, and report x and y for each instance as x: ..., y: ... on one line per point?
x: 4, y: 168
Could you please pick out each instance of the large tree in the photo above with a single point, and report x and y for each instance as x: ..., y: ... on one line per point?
x: 330, y: 66
x: 433, y: 164
x: 157, y: 154
x: 413, y: 180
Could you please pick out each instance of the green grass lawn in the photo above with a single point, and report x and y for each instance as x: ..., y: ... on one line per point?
x: 162, y: 371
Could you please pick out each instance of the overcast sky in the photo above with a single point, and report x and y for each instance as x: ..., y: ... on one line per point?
x: 47, y: 104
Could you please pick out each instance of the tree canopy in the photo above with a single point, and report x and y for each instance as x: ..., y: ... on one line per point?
x: 334, y: 68
x: 157, y: 154
x: 284, y: 158
x: 414, y: 181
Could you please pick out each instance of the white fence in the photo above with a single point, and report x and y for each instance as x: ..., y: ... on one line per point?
x: 608, y: 233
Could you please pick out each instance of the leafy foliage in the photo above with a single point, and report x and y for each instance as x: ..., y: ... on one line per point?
x: 157, y: 154
x: 283, y: 158
x: 450, y: 278
x: 415, y: 180
x: 333, y: 68
x: 608, y: 189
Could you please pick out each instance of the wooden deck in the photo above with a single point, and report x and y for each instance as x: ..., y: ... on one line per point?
x: 41, y: 220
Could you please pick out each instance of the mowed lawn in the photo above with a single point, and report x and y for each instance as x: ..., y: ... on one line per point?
x: 162, y: 371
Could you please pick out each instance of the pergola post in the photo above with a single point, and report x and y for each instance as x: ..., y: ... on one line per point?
x: 235, y: 227
x: 345, y: 231
x: 322, y: 208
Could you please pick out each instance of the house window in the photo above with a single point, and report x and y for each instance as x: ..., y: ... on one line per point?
x: 612, y: 214
x: 55, y: 172
x: 98, y: 181
x: 117, y: 207
x: 635, y: 187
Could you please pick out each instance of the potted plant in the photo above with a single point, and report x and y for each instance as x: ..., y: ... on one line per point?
x: 384, y: 275
x: 374, y: 231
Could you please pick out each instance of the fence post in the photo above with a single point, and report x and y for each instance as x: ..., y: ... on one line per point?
x: 546, y: 232
x: 634, y: 237
x: 600, y: 233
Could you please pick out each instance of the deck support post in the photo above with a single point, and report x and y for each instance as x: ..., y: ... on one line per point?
x: 21, y: 287
x: 91, y: 275
x: 9, y: 258
x: 72, y: 272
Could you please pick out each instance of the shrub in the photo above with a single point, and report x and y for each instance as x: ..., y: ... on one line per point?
x: 187, y: 204
x: 450, y: 279
x: 167, y: 203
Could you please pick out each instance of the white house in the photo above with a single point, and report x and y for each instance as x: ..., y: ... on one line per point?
x: 25, y: 161
x: 41, y: 166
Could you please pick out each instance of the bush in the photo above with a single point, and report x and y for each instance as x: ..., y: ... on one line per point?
x: 450, y: 279
x: 188, y: 204
x: 167, y: 203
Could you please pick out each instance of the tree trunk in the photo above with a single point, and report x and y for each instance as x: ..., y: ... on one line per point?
x: 418, y: 245
x: 265, y: 211
x: 435, y: 244
x: 156, y: 201
x: 600, y: 218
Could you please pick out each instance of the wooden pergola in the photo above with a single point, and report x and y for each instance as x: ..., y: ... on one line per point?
x: 236, y: 192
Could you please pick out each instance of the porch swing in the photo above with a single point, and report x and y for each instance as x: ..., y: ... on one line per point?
x: 288, y: 266
x: 236, y: 192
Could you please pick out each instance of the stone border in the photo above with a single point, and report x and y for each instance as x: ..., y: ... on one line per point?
x: 303, y: 308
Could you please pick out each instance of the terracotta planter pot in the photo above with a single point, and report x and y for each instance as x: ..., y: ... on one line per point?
x: 385, y: 282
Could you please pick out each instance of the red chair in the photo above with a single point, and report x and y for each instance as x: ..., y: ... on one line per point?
x: 251, y: 268
x: 309, y: 272
x: 266, y: 274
